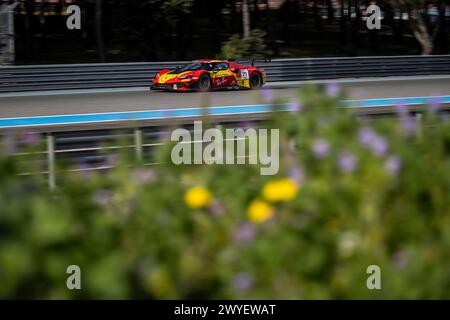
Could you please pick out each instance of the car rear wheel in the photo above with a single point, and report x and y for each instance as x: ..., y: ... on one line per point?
x: 255, y: 81
x: 204, y: 83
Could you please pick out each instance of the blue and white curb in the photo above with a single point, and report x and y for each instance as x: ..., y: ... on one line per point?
x: 173, y: 113
x: 387, y: 102
x: 131, y: 116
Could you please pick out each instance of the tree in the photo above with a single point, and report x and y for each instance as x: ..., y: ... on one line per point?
x: 99, y: 30
x: 317, y: 17
x: 251, y: 46
x: 256, y: 13
x: 152, y: 29
x: 270, y: 31
x: 245, y: 19
x: 330, y: 11
x: 29, y: 24
x: 355, y: 27
x: 176, y: 12
x: 423, y: 33
x: 441, y: 38
x: 343, y: 25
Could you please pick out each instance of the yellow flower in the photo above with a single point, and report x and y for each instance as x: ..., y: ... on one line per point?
x: 197, y: 197
x: 259, y: 211
x: 280, y: 190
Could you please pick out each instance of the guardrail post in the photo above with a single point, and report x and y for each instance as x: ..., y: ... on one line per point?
x: 51, y: 161
x: 138, y: 147
x: 419, y: 120
x: 419, y: 117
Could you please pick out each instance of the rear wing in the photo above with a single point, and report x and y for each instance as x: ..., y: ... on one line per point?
x: 265, y: 60
x: 252, y: 60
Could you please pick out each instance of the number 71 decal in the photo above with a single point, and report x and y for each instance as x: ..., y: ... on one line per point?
x: 244, y: 74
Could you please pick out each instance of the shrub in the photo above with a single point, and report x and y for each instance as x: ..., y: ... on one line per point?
x: 361, y: 192
x: 252, y: 46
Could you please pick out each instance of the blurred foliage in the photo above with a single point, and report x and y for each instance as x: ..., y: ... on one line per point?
x: 357, y: 192
x: 249, y: 47
x: 177, y: 6
x: 167, y: 30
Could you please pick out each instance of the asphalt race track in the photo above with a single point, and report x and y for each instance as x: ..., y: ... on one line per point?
x: 82, y: 103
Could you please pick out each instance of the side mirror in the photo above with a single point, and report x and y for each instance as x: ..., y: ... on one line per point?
x: 234, y: 70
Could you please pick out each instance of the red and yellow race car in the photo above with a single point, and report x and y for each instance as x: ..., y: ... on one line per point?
x: 205, y: 75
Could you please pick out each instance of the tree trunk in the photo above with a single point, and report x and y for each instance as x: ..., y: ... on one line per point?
x: 355, y: 29
x: 234, y: 17
x: 418, y: 25
x: 84, y: 23
x: 99, y: 30
x: 28, y: 20
x: 421, y: 32
x: 398, y: 25
x: 330, y: 12
x: 245, y: 19
x: 270, y: 34
x: 343, y: 22
x: 256, y: 11
x: 442, y: 37
x: 317, y: 17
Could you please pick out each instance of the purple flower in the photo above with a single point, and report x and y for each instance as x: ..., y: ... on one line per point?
x: 85, y: 170
x: 297, y: 175
x: 295, y: 106
x: 401, y: 109
x: 111, y: 160
x: 332, y: 89
x: 216, y: 208
x: 379, y: 146
x: 409, y: 124
x: 103, y: 197
x: 244, y: 234
x: 143, y: 176
x: 266, y: 95
x: 321, y: 148
x: 242, y: 282
x: 393, y: 165
x: 31, y: 137
x: 346, y: 162
x: 366, y: 135
x: 400, y: 259
x: 369, y: 138
x: 435, y: 104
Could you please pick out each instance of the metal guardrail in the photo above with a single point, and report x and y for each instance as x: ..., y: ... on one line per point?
x: 95, y: 150
x: 115, y: 75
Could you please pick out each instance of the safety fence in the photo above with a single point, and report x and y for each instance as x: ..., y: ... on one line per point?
x: 115, y: 75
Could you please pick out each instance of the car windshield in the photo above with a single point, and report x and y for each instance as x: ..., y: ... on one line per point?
x: 216, y: 66
x: 193, y: 66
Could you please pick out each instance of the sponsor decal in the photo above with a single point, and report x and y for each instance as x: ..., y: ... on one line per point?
x: 244, y: 74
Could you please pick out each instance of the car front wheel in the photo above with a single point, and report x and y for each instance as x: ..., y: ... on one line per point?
x: 204, y: 83
x: 255, y: 81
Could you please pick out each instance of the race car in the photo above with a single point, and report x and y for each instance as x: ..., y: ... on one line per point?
x: 205, y: 75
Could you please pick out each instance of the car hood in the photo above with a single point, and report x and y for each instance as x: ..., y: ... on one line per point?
x: 170, y: 75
